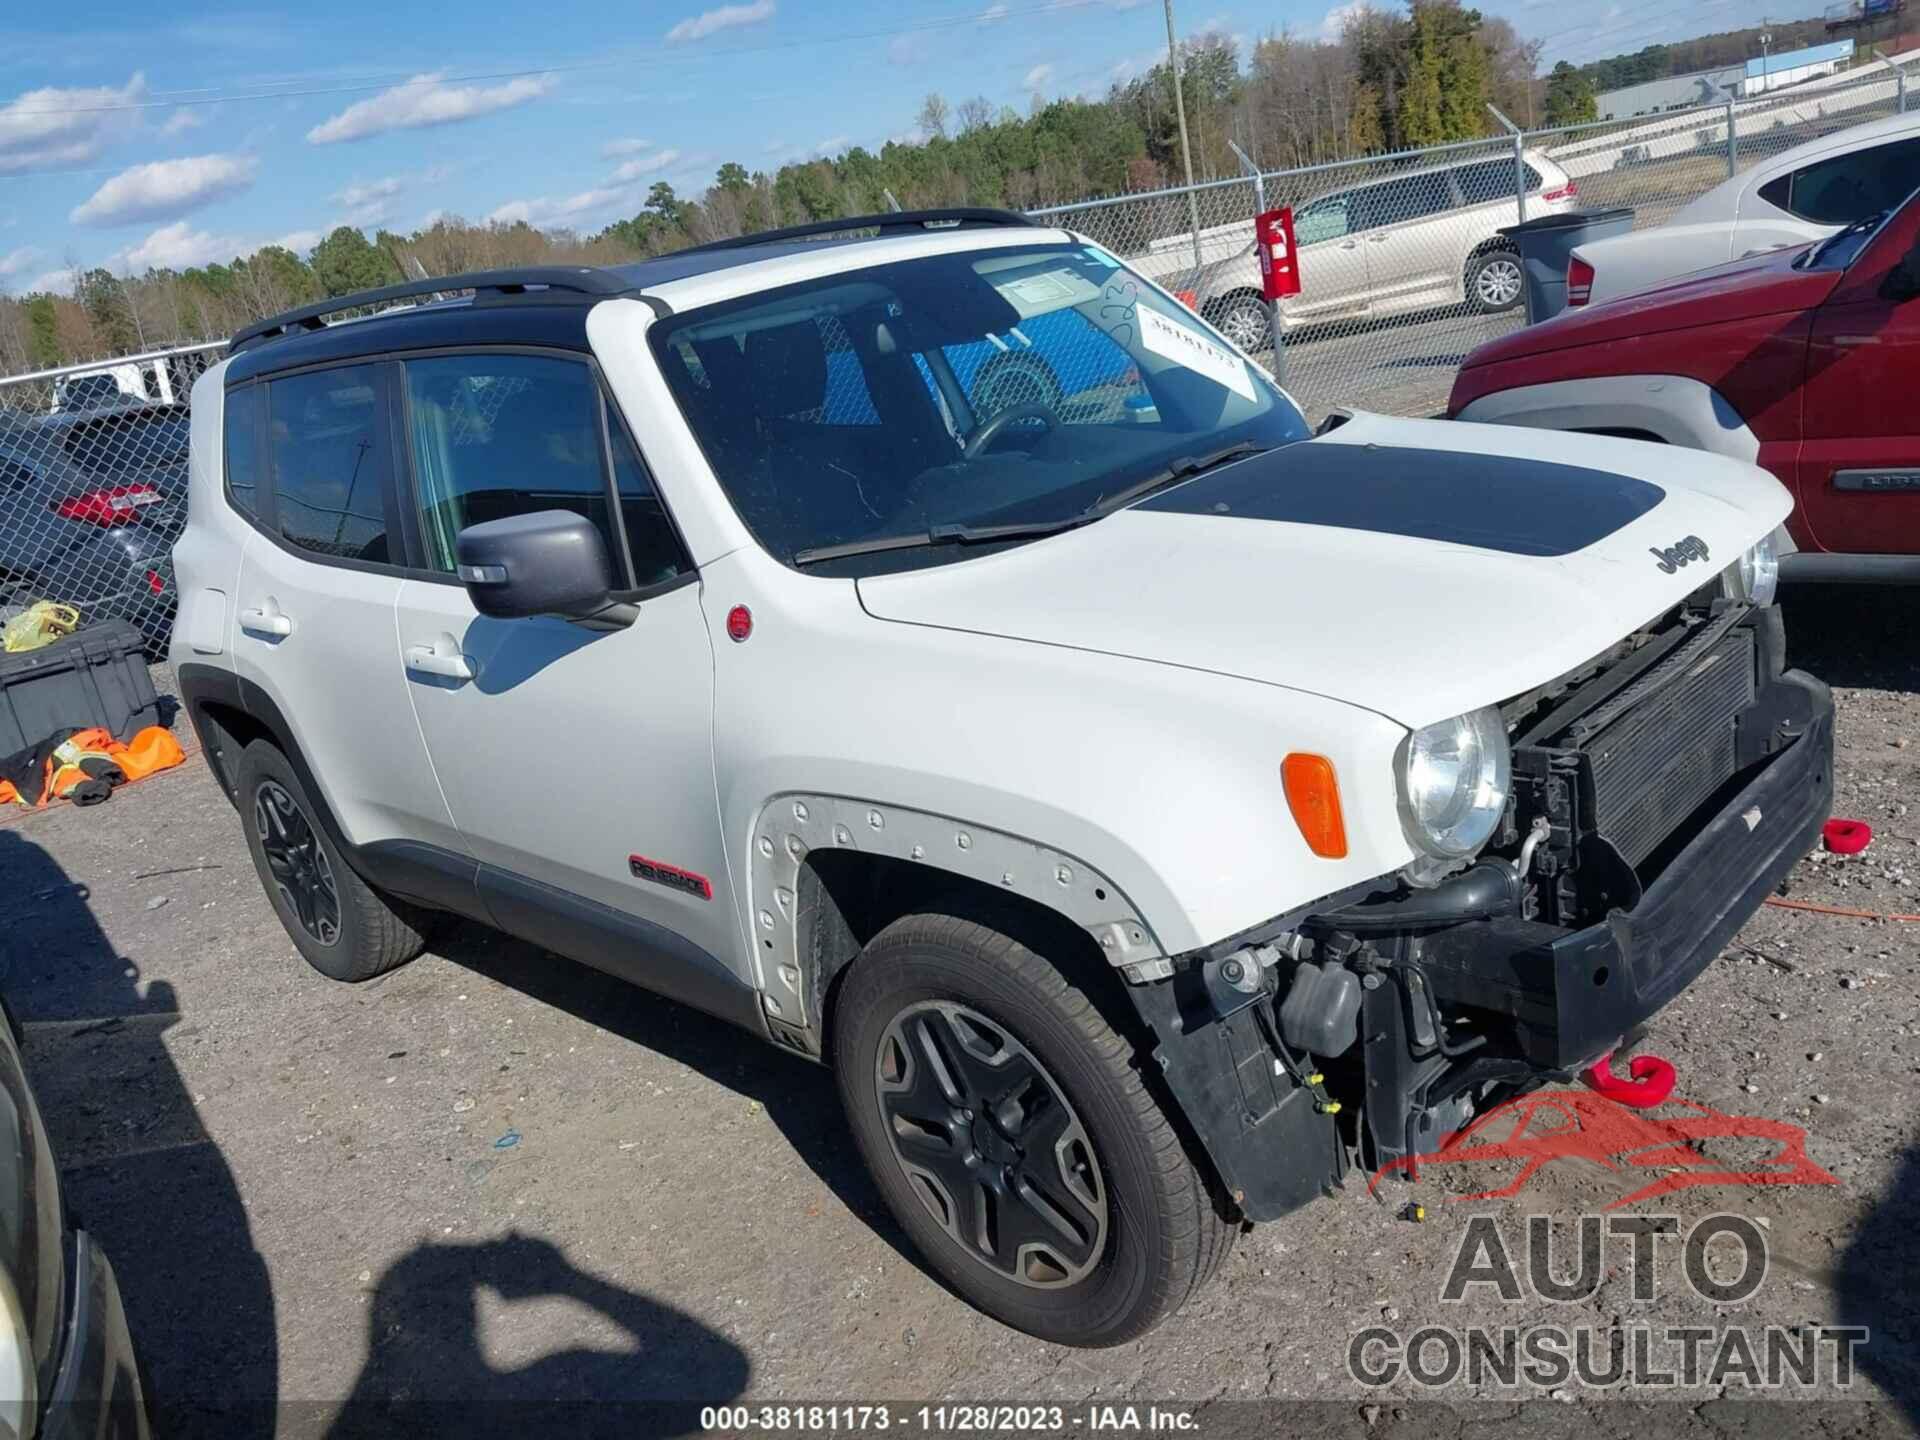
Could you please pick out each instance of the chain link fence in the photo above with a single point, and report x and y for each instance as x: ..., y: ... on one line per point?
x: 1403, y: 268
x: 93, y: 485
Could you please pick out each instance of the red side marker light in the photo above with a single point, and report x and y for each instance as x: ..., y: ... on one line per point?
x: 739, y: 622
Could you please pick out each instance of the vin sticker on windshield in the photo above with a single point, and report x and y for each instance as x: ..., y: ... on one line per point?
x: 1173, y: 341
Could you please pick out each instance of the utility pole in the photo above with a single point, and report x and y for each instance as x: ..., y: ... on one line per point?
x: 1186, y: 150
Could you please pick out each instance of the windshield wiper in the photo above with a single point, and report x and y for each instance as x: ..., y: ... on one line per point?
x: 1185, y: 468
x: 946, y: 534
x: 962, y: 534
x: 1865, y: 222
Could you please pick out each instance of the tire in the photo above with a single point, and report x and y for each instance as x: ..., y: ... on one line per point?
x: 366, y: 934
x: 1138, y: 1228
x: 1243, y: 319
x: 1495, y: 282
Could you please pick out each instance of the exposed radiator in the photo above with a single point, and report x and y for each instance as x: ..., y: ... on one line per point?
x: 1658, y: 749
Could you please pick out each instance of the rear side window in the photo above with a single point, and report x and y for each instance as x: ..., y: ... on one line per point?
x: 330, y: 471
x: 243, y: 447
x: 1846, y: 188
x: 1488, y: 180
x: 1411, y: 198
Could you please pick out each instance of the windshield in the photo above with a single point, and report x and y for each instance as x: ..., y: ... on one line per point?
x: 954, y: 395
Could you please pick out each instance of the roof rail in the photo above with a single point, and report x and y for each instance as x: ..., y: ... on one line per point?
x: 953, y: 218
x: 578, y: 281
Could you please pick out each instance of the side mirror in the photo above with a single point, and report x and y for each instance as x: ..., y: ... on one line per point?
x: 1903, y: 280
x: 551, y: 562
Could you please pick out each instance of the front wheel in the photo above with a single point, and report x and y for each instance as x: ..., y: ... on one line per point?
x: 1244, y: 321
x: 1494, y: 282
x: 1014, y: 1138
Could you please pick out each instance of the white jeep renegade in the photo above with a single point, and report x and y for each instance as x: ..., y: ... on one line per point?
x: 926, y: 644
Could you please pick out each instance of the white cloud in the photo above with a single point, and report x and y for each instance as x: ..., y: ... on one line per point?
x: 621, y: 149
x: 298, y: 241
x: 14, y: 261
x: 176, y: 247
x: 1341, y: 16
x: 906, y: 50
x: 53, y: 282
x: 993, y: 13
x: 543, y: 212
x: 425, y: 100
x: 646, y: 165
x: 181, y: 121
x: 165, y: 188
x: 832, y: 145
x: 358, y: 194
x: 725, y: 17
x: 54, y: 127
x: 1038, y: 78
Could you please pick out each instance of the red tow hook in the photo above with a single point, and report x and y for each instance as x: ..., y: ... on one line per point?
x: 1846, y: 837
x: 1652, y: 1080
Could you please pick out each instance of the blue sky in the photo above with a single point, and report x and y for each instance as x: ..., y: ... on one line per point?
x: 137, y: 136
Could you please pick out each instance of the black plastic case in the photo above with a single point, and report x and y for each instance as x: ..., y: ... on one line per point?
x: 96, y: 676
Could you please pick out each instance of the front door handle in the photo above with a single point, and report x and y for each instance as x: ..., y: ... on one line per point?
x: 266, y: 619
x: 442, y: 658
x: 1349, y: 244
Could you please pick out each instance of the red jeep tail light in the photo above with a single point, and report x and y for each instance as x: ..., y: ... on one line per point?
x: 156, y: 582
x: 1566, y: 192
x: 116, y: 505
x: 1579, y: 282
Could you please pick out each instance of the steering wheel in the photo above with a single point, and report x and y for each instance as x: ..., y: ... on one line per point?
x: 988, y: 430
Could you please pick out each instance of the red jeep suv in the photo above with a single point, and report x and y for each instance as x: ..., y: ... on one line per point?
x: 1805, y: 362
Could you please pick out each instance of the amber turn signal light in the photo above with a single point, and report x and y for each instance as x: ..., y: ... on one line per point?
x: 1314, y: 797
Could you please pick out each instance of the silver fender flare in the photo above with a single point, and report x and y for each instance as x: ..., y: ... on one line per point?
x: 793, y: 825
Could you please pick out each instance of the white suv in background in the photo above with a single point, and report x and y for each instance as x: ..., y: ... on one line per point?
x: 1145, y: 806
x: 1795, y: 198
x: 1415, y: 241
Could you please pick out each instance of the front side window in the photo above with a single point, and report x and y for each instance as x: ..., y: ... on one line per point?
x: 330, y: 471
x: 1848, y: 187
x: 1019, y: 386
x: 497, y: 435
x: 1322, y: 220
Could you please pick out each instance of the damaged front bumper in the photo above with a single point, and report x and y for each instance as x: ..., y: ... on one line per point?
x: 1436, y: 1019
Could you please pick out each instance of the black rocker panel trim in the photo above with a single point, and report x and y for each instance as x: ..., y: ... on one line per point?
x: 1491, y: 502
x: 636, y: 950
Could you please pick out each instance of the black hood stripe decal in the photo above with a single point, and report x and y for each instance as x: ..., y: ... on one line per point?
x: 1492, y: 502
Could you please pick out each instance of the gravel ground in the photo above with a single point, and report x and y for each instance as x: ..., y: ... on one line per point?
x: 499, y: 1178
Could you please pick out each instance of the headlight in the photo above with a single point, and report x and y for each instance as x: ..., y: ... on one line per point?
x: 1755, y: 575
x: 1454, y: 781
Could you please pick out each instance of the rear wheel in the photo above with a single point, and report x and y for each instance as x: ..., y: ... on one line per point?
x: 1009, y: 1127
x: 342, y: 926
x: 1494, y: 282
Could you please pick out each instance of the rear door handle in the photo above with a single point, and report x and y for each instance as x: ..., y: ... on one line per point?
x: 441, y: 659
x: 1349, y: 244
x: 1378, y: 239
x: 266, y: 620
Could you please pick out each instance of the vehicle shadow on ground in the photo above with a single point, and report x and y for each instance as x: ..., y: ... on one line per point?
x: 1874, y: 1288
x: 1859, y: 636
x: 426, y: 1373
x: 799, y: 1097
x: 138, y: 1170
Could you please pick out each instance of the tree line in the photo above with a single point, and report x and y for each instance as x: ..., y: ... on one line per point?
x: 1390, y: 80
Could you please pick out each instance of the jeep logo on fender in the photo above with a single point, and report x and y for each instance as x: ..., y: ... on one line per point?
x: 1681, y: 553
